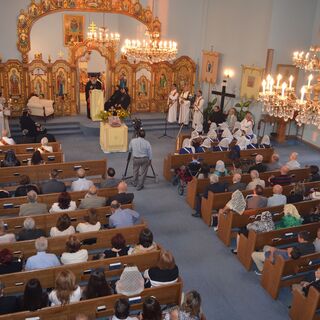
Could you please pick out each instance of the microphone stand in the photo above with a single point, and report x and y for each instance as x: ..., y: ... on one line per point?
x: 165, y: 127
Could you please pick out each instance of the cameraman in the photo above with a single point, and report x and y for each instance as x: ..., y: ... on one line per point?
x: 142, y: 155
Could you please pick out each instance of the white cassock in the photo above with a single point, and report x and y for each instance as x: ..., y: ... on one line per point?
x: 4, y: 113
x: 245, y: 124
x: 184, y: 113
x: 173, y: 105
x: 197, y: 121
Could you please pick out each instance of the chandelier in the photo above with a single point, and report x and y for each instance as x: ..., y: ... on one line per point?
x: 309, y: 61
x: 151, y: 49
x: 103, y: 36
x: 281, y: 101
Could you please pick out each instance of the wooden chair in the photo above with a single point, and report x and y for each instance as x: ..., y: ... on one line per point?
x: 197, y: 186
x: 93, y: 168
x: 216, y: 201
x: 305, y: 308
x: 256, y: 241
x: 228, y: 222
x: 173, y: 161
x: 29, y: 147
x: 10, y: 206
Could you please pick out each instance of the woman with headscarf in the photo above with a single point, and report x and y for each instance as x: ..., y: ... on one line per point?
x: 226, y: 133
x: 237, y: 134
x: 236, y: 127
x: 265, y: 142
x: 205, y: 146
x: 265, y: 224
x: 253, y: 143
x: 187, y: 147
x: 242, y: 143
x: 212, y: 135
x: 291, y: 217
x: 131, y: 282
x: 220, y: 169
x: 223, y: 145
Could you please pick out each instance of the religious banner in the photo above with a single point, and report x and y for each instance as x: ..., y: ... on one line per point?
x: 251, y: 82
x: 210, y: 62
x: 287, y: 70
x: 73, y: 27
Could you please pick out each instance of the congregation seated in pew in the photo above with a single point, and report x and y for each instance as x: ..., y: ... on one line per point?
x: 283, y: 179
x: 236, y: 183
x: 146, y: 243
x: 33, y: 207
x: 36, y: 159
x: 91, y: 223
x: 45, y: 148
x: 29, y: 231
x: 123, y: 197
x: 275, y: 163
x: 92, y: 200
x: 297, y: 193
x: 310, y: 280
x: 121, y: 218
x: 293, y: 161
x: 277, y: 199
x: 314, y: 173
x: 64, y: 203
x: 25, y: 186
x: 304, y: 247
x: 74, y: 253
x: 9, y: 263
x: 42, y: 259
x: 10, y: 160
x: 81, y: 183
x: 5, y: 140
x: 256, y: 200
x: 255, y: 180
x: 259, y: 165
x: 4, y: 236
x: 53, y: 185
x: 119, y: 248
x: 111, y: 181
x: 291, y: 217
x: 63, y: 227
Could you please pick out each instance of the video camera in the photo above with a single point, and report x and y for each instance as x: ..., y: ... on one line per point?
x: 137, y: 126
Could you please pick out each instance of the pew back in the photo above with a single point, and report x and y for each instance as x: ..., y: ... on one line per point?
x: 29, y: 147
x: 53, y: 157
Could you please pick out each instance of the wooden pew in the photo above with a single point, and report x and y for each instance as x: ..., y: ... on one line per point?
x: 41, y: 172
x: 256, y: 241
x: 15, y: 282
x: 305, y: 308
x: 230, y: 221
x: 10, y: 206
x: 173, y: 161
x: 197, y: 186
x: 57, y: 244
x: 29, y: 147
x: 101, y: 307
x: 217, y: 201
x: 284, y: 273
x: 53, y: 157
x: 46, y: 221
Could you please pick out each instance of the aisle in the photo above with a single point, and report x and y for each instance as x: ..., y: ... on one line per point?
x: 228, y: 291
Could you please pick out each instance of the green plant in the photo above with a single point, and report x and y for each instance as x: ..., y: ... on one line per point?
x: 242, y: 108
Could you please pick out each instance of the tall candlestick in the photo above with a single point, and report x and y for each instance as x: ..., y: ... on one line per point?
x: 309, y: 80
x: 279, y: 77
x: 290, y: 81
x: 264, y: 86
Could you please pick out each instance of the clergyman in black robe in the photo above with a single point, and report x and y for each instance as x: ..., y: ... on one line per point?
x: 92, y: 84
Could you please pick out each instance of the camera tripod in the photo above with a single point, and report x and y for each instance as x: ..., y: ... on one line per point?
x: 125, y: 177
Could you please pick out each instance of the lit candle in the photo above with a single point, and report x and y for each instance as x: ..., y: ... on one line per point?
x: 309, y: 80
x: 264, y: 82
x: 303, y: 91
x: 284, y: 86
x: 290, y: 81
x: 271, y: 84
x: 279, y: 77
x: 268, y: 81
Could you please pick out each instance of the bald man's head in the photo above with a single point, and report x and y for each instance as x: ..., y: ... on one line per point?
x: 122, y: 187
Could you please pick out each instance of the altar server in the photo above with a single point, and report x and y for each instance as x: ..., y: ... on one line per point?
x: 184, y: 113
x: 173, y: 104
x: 197, y: 121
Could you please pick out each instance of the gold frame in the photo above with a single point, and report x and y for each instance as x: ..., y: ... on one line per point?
x: 207, y: 57
x: 250, y: 73
x: 66, y: 20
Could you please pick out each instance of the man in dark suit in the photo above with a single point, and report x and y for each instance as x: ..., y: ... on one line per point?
x: 53, y: 185
x: 92, y: 84
x: 257, y: 200
x: 7, y: 304
x: 122, y: 197
x: 113, y: 100
x: 125, y: 99
x: 236, y: 183
x: 29, y: 231
x: 259, y: 166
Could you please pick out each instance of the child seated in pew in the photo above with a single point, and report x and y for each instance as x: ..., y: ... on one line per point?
x: 303, y: 247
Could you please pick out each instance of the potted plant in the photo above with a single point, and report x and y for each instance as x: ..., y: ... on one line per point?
x: 242, y: 108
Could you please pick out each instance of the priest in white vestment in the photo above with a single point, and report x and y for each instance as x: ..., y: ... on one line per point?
x: 197, y: 121
x: 173, y: 104
x: 184, y: 113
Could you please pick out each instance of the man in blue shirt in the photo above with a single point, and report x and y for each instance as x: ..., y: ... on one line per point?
x: 121, y: 218
x: 42, y: 259
x: 142, y: 156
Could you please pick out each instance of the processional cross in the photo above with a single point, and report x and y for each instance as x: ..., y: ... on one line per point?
x: 223, y: 94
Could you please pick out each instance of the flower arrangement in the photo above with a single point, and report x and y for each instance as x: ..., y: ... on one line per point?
x: 113, y: 112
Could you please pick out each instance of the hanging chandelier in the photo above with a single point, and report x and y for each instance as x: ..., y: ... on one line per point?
x: 309, y: 61
x: 281, y: 101
x: 103, y: 36
x: 151, y: 49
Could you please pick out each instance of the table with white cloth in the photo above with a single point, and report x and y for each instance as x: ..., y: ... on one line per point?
x: 113, y: 139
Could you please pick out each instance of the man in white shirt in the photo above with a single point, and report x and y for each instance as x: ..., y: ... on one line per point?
x: 277, y: 199
x: 122, y: 218
x: 82, y: 183
x: 293, y: 162
x: 197, y: 122
x: 254, y: 174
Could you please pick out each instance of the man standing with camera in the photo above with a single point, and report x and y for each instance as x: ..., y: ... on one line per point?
x: 142, y: 155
